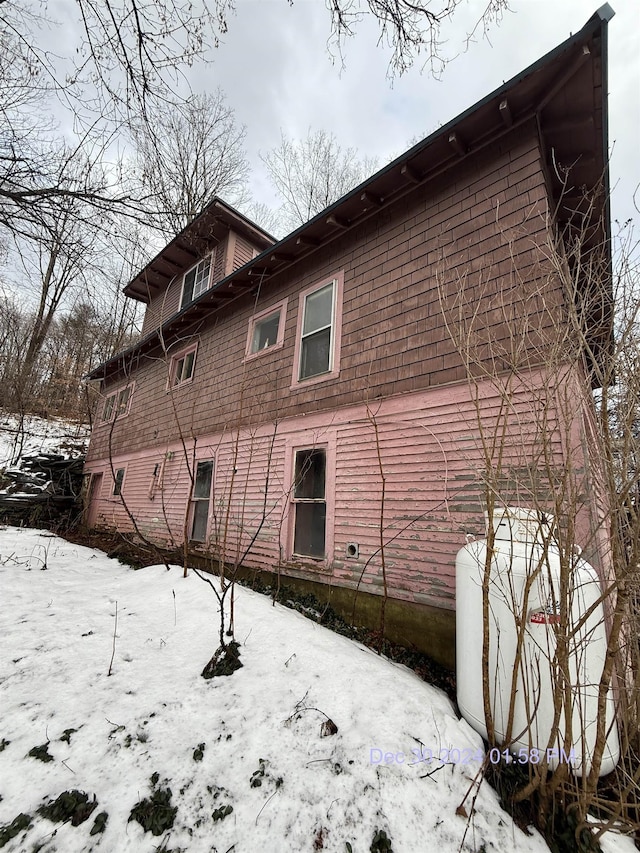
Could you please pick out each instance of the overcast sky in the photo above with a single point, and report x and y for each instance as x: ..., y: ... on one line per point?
x: 276, y: 70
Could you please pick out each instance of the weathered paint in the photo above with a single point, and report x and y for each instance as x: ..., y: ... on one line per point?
x: 434, y: 463
x: 445, y: 251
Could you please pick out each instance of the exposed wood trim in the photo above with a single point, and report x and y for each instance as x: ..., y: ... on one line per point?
x: 457, y: 144
x: 505, y: 113
x: 309, y: 242
x: 370, y: 200
x: 336, y: 221
x: 579, y: 61
x: 189, y: 252
x: 410, y: 174
x: 280, y: 258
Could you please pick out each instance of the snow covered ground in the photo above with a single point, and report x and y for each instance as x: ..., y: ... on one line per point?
x: 39, y: 436
x: 244, y: 757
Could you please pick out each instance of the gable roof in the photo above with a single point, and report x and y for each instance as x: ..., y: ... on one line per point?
x: 565, y: 92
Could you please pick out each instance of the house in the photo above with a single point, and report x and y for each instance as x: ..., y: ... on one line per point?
x: 341, y: 406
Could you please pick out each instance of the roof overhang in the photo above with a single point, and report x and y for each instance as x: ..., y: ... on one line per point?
x: 200, y: 235
x: 564, y: 92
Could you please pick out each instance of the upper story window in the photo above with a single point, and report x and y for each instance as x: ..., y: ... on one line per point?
x: 266, y: 329
x: 319, y: 332
x: 196, y: 280
x: 116, y: 404
x: 182, y: 366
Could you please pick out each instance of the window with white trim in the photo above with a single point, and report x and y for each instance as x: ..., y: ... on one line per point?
x: 196, y: 280
x: 265, y: 332
x: 200, y: 500
x: 266, y: 329
x: 182, y: 366
x: 309, y: 503
x: 116, y: 404
x: 316, y: 339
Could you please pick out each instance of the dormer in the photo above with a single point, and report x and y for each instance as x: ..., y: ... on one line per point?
x: 219, y: 241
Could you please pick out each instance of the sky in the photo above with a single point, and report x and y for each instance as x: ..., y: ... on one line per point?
x: 279, y: 74
x: 101, y: 693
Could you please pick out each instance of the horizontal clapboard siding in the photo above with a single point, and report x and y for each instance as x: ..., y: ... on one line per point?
x: 431, y: 453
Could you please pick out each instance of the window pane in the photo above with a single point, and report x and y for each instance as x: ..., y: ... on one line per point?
x: 123, y: 399
x: 108, y: 408
x: 117, y: 486
x: 199, y: 526
x: 201, y: 282
x: 202, y: 485
x: 315, y: 354
x: 177, y: 379
x: 310, y: 529
x: 318, y: 308
x: 265, y: 332
x: 187, y: 292
x: 310, y: 474
x: 187, y: 371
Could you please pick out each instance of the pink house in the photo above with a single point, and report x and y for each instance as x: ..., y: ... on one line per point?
x: 340, y: 405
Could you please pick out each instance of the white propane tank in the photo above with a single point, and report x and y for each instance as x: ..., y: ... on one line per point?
x: 523, y: 554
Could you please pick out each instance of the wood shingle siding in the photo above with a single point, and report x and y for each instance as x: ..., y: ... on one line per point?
x: 402, y: 269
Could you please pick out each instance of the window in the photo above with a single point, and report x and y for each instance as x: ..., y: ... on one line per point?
x: 116, y: 405
x: 266, y: 330
x: 309, y: 501
x: 317, y: 324
x: 196, y: 281
x: 317, y: 353
x: 123, y: 401
x: 107, y: 410
x: 181, y: 368
x: 200, y: 501
x: 118, y: 482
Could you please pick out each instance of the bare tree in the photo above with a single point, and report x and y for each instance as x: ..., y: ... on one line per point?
x: 312, y: 173
x: 411, y: 29
x: 543, y: 445
x: 123, y: 58
x: 189, y: 154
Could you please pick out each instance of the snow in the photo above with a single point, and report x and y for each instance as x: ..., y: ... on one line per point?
x: 57, y: 621
x: 153, y: 712
x: 40, y: 436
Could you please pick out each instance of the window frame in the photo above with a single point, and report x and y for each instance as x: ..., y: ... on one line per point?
x: 314, y: 501
x: 116, y: 488
x: 113, y: 401
x: 327, y: 442
x: 195, y: 500
x: 210, y: 259
x: 333, y: 372
x: 176, y: 358
x: 259, y: 318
